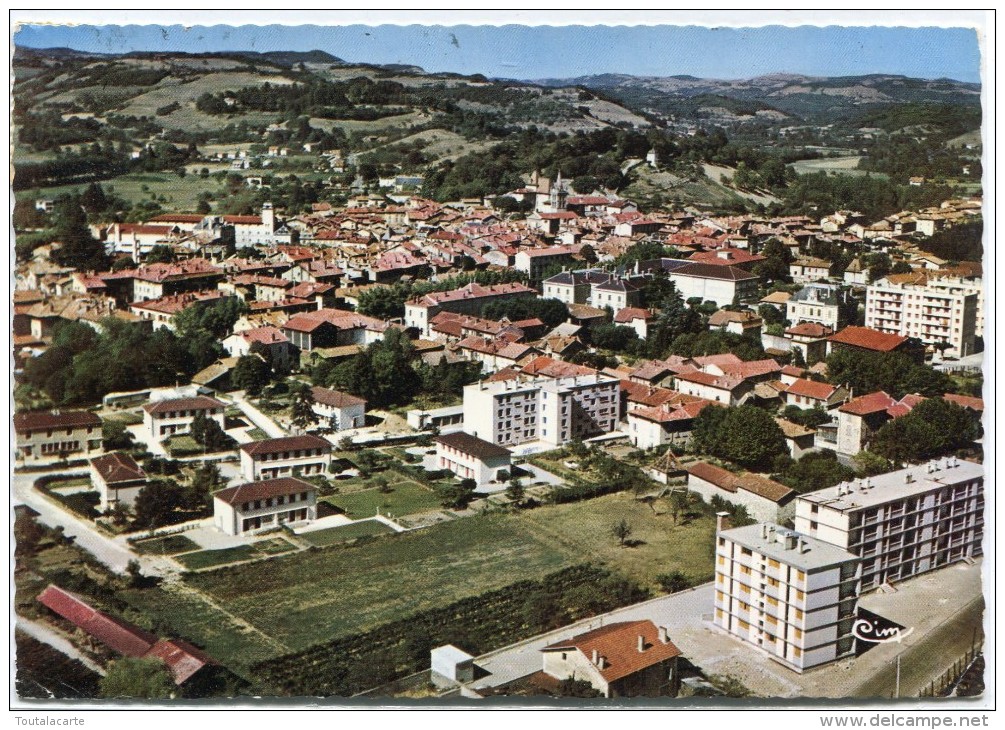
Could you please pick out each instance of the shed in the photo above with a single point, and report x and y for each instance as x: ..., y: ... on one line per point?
x: 451, y: 665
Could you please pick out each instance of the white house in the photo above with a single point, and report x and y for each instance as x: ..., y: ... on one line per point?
x: 470, y: 457
x: 118, y: 479
x: 271, y: 339
x: 264, y: 505
x: 337, y: 410
x: 165, y: 418
x: 286, y: 456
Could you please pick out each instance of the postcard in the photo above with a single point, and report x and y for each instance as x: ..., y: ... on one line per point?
x: 485, y: 365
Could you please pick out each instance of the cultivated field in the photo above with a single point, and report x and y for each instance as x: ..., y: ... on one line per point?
x: 173, y: 89
x: 838, y: 165
x: 181, y: 193
x: 334, y: 535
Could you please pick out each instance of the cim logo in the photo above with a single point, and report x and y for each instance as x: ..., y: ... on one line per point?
x: 873, y: 632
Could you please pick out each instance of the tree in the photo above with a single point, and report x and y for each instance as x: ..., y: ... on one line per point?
x: 206, y: 480
x: 869, y: 464
x: 934, y: 427
x: 157, y: 503
x: 79, y: 248
x: 775, y: 267
x: 673, y: 582
x: 675, y: 319
x: 679, y: 502
x: 816, y: 470
x: 250, y: 374
x: 207, y: 433
x: 515, y: 490
x: 302, y: 407
x: 746, y: 435
x: 622, y: 530
x: 579, y: 688
x: 160, y: 254
x: 895, y: 373
x: 459, y: 494
x: 138, y: 678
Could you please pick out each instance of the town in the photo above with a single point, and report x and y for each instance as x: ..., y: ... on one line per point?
x: 554, y: 441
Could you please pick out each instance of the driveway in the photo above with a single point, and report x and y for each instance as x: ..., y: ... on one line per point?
x: 257, y: 417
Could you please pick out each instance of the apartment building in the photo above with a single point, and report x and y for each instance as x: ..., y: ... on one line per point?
x: 903, y: 523
x: 824, y: 304
x: 165, y: 418
x: 470, y: 457
x: 264, y: 505
x: 470, y: 299
x: 553, y: 410
x: 793, y: 596
x: 56, y: 434
x: 287, y: 456
x: 932, y: 314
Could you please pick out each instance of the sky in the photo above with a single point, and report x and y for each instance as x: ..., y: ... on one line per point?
x: 537, y: 52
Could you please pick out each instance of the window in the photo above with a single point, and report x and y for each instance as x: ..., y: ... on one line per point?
x: 746, y: 551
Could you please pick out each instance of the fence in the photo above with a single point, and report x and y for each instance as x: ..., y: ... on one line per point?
x: 945, y: 684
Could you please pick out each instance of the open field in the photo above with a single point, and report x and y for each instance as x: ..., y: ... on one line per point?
x: 406, y: 498
x: 169, y: 545
x: 441, y: 145
x: 365, y: 528
x: 376, y: 125
x: 838, y: 165
x: 585, y: 529
x: 181, y: 193
x: 173, y: 89
x: 649, y: 184
x: 315, y: 596
x: 213, y: 558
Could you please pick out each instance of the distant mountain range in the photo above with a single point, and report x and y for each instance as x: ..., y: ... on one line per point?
x: 813, y: 98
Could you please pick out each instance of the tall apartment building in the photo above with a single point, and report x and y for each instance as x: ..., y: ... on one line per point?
x: 931, y: 313
x: 791, y: 595
x: 516, y: 411
x: 902, y: 523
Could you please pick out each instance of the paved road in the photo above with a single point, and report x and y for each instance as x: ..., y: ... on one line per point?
x: 46, y: 635
x: 104, y: 548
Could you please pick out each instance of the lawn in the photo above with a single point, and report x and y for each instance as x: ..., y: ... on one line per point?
x: 315, y: 596
x: 585, y: 528
x: 182, y: 446
x: 405, y: 498
x: 168, y: 545
x: 214, y: 558
x: 344, y: 533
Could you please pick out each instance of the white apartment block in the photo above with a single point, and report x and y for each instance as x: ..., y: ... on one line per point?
x: 554, y: 411
x: 165, y: 418
x: 902, y: 523
x: 957, y: 285
x: 792, y: 596
x: 929, y: 313
x: 289, y: 456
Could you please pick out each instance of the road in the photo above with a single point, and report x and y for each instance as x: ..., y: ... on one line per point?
x: 105, y: 549
x: 928, y: 659
x: 257, y: 417
x: 47, y: 636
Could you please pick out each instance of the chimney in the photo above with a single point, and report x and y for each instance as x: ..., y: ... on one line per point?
x: 722, y: 522
x: 602, y: 663
x: 642, y: 643
x: 908, y: 477
x: 596, y: 657
x: 664, y: 638
x: 804, y: 547
x: 764, y: 531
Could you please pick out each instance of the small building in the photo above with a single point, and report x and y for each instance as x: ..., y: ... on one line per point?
x: 44, y: 435
x: 765, y: 500
x: 470, y: 457
x: 622, y: 659
x: 264, y: 505
x: 808, y: 394
x: 451, y: 666
x: 286, y: 456
x: 798, y: 438
x: 166, y: 418
x: 449, y: 418
x: 118, y: 479
x: 337, y: 410
x: 739, y: 323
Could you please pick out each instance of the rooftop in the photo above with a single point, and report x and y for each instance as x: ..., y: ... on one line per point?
x: 263, y: 490
x: 618, y: 645
x: 789, y: 547
x: 472, y: 445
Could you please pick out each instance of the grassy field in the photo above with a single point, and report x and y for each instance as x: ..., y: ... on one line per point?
x: 181, y: 193
x: 169, y: 545
x: 661, y: 547
x: 398, y: 121
x: 365, y: 528
x: 405, y: 498
x: 213, y: 558
x: 315, y: 596
x: 838, y: 165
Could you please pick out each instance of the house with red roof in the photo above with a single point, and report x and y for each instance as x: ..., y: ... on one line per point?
x: 285, y: 456
x: 41, y: 435
x: 118, y: 479
x: 861, y: 417
x: 165, y: 418
x: 865, y: 339
x: 670, y: 422
x: 621, y: 659
x: 764, y: 499
x: 337, y: 410
x: 637, y: 318
x: 264, y: 505
x: 807, y: 394
x: 270, y: 339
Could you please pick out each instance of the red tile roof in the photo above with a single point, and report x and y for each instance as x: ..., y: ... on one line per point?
x: 472, y: 445
x: 121, y: 636
x: 810, y: 329
x: 198, y: 403
x: 287, y: 443
x: 117, y: 468
x: 335, y: 398
x: 263, y: 490
x: 868, y: 339
x: 976, y: 404
x: 811, y: 389
x: 183, y: 659
x: 38, y: 420
x: 618, y: 644
x: 866, y: 404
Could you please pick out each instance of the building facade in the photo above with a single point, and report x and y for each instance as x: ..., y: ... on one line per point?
x: 936, y: 316
x: 470, y: 457
x: 43, y: 435
x: 902, y: 523
x: 285, y: 457
x: 264, y: 505
x: 166, y: 418
x: 793, y: 596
